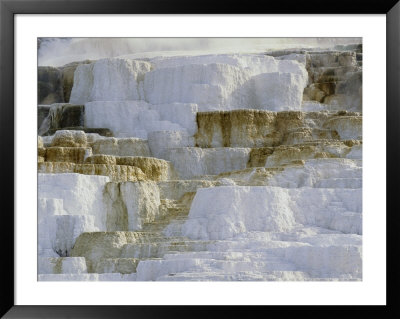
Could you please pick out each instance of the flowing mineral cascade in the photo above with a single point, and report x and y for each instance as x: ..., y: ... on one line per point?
x: 202, y: 167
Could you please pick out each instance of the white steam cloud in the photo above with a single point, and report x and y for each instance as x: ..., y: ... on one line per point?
x: 60, y: 51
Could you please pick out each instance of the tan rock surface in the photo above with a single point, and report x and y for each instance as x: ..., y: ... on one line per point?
x: 67, y: 154
x: 97, y: 245
x: 115, y: 172
x: 69, y: 138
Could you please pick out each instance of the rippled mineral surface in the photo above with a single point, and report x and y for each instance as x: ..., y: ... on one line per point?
x: 218, y: 167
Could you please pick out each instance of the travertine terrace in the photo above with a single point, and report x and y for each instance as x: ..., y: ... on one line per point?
x: 202, y: 168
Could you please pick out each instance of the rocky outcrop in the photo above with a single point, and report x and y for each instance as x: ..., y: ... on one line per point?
x: 116, y: 265
x: 176, y: 189
x: 60, y: 116
x: 286, y: 154
x: 253, y: 128
x: 55, y: 84
x: 114, y: 172
x: 68, y: 72
x: 69, y: 139
x: 131, y: 205
x: 49, y: 85
x: 334, y: 77
x: 71, y: 152
x: 66, y: 154
x: 97, y: 246
x: 153, y: 168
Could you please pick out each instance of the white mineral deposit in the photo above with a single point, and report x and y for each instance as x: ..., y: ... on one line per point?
x: 202, y: 167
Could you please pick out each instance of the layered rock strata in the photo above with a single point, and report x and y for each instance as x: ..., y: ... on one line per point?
x: 220, y: 167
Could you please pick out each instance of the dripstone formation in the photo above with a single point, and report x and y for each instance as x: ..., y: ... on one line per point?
x: 202, y: 168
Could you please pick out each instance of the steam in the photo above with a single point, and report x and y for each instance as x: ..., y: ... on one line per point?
x: 60, y: 51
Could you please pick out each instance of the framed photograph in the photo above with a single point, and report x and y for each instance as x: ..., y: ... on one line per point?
x: 162, y: 155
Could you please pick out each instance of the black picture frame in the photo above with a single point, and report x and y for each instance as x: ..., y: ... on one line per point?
x: 8, y: 8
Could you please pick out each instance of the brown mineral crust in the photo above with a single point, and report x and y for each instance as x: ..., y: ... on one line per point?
x: 351, y: 143
x: 64, y: 138
x: 41, y: 151
x: 101, y: 159
x: 258, y: 156
x: 117, y: 173
x: 235, y: 127
x: 56, y: 167
x: 155, y: 169
x: 96, y: 245
x: 66, y: 154
x: 116, y: 265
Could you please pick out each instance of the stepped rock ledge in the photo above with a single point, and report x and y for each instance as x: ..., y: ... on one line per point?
x: 214, y: 167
